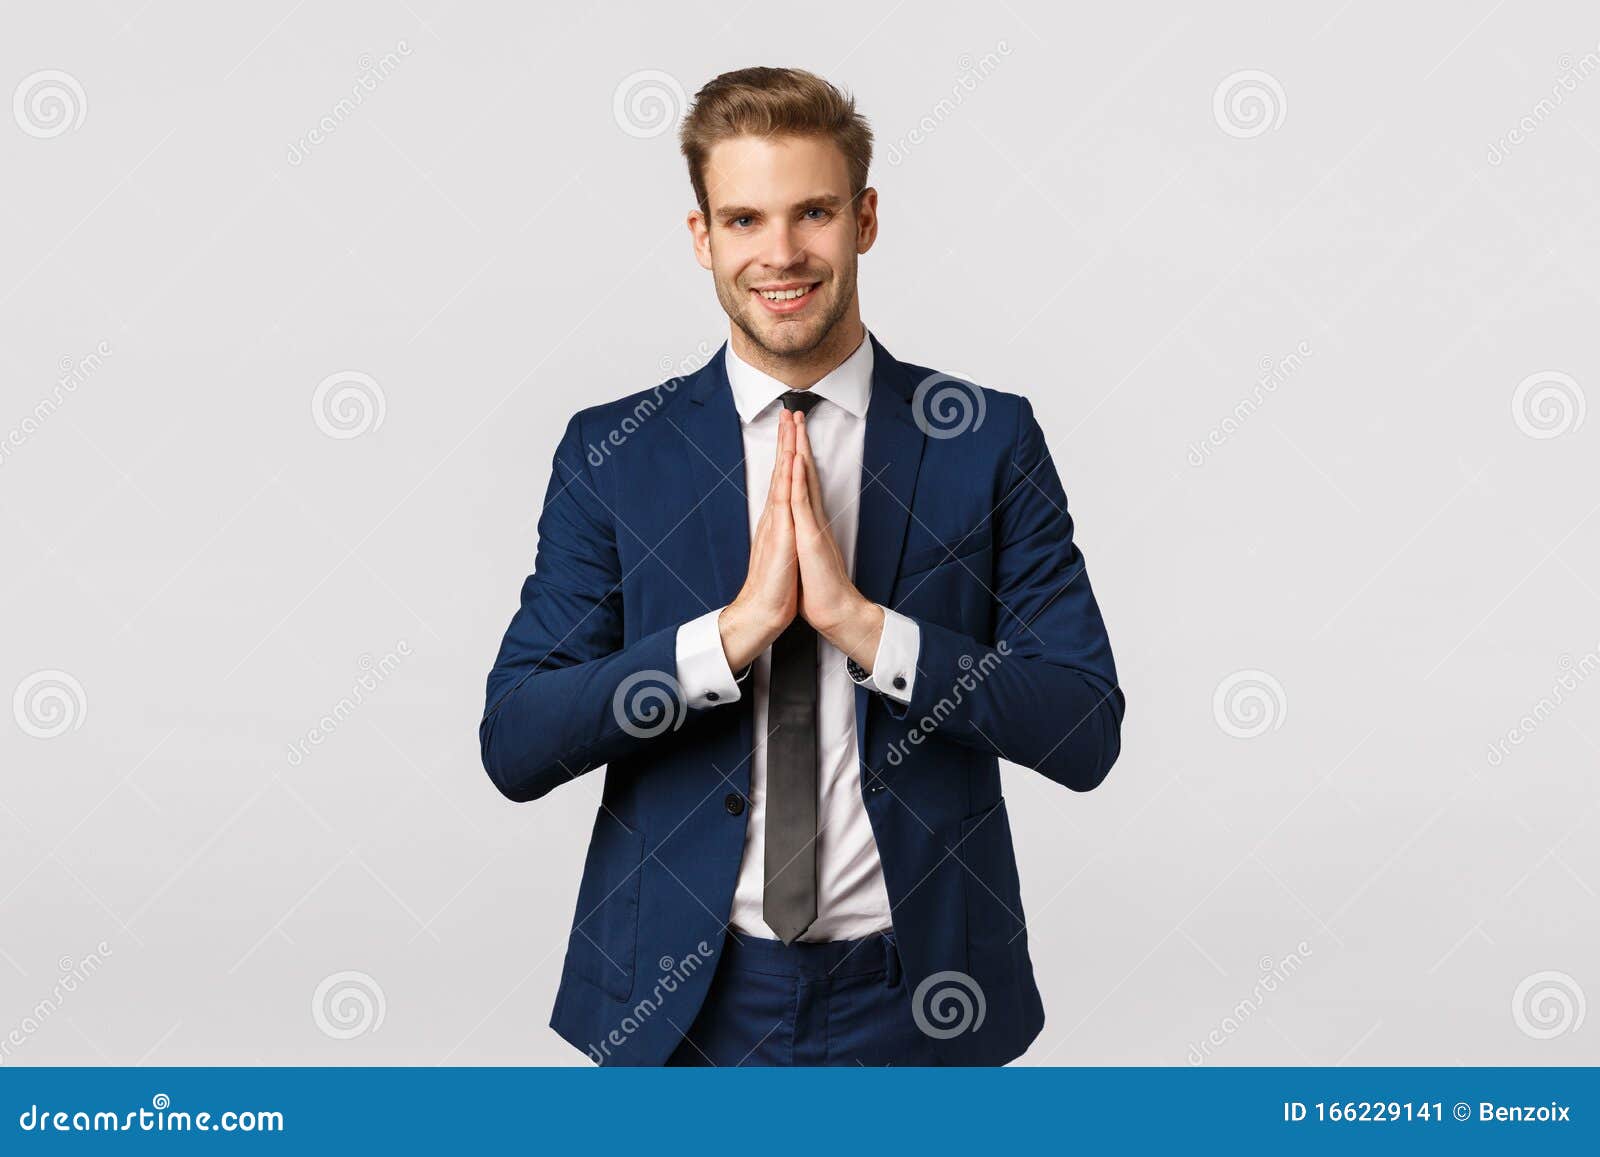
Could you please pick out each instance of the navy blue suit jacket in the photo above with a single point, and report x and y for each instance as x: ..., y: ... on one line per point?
x: 963, y: 528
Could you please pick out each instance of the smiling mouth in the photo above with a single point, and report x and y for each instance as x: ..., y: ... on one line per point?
x: 788, y: 299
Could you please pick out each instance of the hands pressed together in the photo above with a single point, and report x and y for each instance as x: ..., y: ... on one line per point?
x: 796, y: 567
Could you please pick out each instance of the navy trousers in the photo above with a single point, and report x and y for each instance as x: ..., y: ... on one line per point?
x: 843, y: 1002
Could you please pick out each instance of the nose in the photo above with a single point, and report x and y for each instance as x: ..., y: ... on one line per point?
x: 783, y: 247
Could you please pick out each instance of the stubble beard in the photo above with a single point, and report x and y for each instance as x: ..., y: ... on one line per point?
x: 738, y: 306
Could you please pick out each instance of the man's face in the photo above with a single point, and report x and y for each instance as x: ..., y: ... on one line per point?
x: 782, y: 222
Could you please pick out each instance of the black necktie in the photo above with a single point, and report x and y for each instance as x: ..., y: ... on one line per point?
x: 789, y: 899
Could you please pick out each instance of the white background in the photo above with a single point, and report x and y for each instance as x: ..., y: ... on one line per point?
x: 1386, y: 535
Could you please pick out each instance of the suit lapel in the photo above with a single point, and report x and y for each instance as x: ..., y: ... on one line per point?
x: 889, y: 463
x: 891, y: 458
x: 716, y: 463
x: 716, y: 468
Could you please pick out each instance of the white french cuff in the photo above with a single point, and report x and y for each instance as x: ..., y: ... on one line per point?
x: 704, y: 677
x: 894, y: 669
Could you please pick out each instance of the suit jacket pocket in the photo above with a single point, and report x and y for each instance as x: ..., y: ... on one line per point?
x: 605, y: 928
x: 994, y: 894
x: 927, y: 555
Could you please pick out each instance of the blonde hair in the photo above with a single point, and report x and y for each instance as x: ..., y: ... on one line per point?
x: 770, y: 102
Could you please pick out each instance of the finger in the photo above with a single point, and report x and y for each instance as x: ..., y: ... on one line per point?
x: 805, y: 519
x: 808, y: 463
x: 777, y: 489
x: 783, y: 531
x: 782, y: 484
x: 802, y: 440
x: 785, y: 430
x: 784, y: 464
x: 783, y: 491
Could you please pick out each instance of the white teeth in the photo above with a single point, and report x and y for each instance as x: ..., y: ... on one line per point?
x: 783, y: 294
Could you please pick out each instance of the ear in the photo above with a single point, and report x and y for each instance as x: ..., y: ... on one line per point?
x: 699, y: 237
x: 866, y: 219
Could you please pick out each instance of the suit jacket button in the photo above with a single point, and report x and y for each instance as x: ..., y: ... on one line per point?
x: 713, y: 696
x: 899, y: 682
x: 734, y: 803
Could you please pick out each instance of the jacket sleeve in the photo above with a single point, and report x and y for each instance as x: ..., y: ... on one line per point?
x: 565, y: 695
x: 1043, y: 693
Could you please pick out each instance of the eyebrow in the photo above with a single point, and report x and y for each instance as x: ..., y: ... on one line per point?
x: 821, y: 200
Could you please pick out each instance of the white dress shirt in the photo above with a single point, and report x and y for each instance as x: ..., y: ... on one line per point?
x: 852, y: 901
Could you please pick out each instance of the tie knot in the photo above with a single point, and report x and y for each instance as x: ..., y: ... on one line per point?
x: 801, y: 400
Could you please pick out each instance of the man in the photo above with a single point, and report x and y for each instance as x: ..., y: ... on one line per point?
x: 799, y: 604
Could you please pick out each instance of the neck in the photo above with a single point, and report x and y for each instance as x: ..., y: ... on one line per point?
x: 801, y: 371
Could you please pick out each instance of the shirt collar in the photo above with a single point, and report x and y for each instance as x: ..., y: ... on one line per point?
x: 849, y: 384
